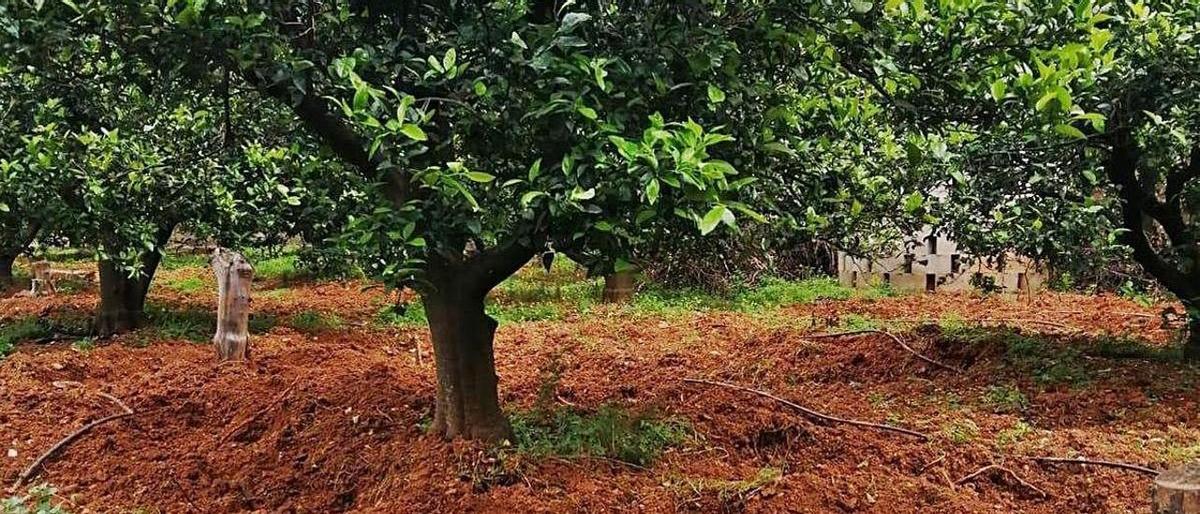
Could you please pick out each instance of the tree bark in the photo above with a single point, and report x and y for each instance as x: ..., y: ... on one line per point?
x: 1191, y: 348
x: 234, y: 275
x: 618, y: 287
x: 1177, y: 491
x: 468, y: 404
x: 123, y: 298
x: 6, y: 270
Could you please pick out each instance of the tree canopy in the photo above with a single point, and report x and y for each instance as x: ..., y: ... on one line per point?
x: 446, y: 143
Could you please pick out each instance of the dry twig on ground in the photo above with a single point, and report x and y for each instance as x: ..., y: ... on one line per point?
x: 810, y: 412
x: 894, y: 338
x: 1002, y: 469
x: 1105, y: 463
x: 33, y: 469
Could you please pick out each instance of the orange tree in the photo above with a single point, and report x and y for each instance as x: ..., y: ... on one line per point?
x: 494, y: 131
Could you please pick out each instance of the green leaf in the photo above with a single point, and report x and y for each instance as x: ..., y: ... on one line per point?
x: 1070, y: 131
x: 529, y: 197
x: 1044, y: 101
x: 998, y: 89
x: 535, y: 170
x: 480, y: 88
x: 715, y: 95
x: 571, y: 20
x: 652, y: 190
x: 4, y: 207
x: 481, y: 177
x: 450, y: 59
x: 913, y: 202
x: 516, y: 40
x: 413, y: 132
x: 710, y: 221
x: 587, y: 112
x: 361, y: 96
x: 581, y: 194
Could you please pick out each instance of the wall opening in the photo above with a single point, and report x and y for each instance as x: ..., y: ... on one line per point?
x: 1022, y: 283
x: 931, y: 244
x: 853, y: 279
x: 887, y: 278
x: 908, y: 262
x: 955, y: 263
x: 930, y: 282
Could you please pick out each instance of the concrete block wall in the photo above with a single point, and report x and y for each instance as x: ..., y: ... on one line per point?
x: 943, y: 269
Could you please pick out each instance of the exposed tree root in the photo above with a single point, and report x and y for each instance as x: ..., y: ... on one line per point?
x: 1105, y: 463
x: 810, y: 412
x: 893, y: 337
x: 34, y: 468
x: 1002, y: 469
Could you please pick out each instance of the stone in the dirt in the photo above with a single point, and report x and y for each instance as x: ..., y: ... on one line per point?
x: 12, y: 453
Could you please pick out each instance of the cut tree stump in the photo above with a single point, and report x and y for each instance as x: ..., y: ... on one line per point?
x: 1177, y: 491
x: 234, y: 275
x: 618, y: 287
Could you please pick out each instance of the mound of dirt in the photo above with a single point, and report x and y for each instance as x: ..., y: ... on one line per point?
x: 332, y: 422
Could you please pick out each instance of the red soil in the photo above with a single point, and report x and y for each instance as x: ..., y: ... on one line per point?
x: 330, y: 422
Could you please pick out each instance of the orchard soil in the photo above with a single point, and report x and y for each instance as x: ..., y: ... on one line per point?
x: 331, y: 420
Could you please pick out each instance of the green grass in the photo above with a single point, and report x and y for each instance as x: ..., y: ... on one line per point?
x: 960, y: 431
x: 282, y: 267
x: 311, y: 321
x: 173, y: 261
x: 522, y: 313
x: 1013, y: 434
x: 186, y: 285
x: 769, y: 293
x: 191, y: 325
x: 1005, y: 399
x: 413, y: 316
x: 24, y: 329
x: 1048, y: 360
x: 610, y: 432
x: 39, y: 500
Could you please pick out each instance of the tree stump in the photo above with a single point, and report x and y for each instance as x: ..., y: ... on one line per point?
x: 1177, y: 491
x: 234, y: 275
x: 618, y: 287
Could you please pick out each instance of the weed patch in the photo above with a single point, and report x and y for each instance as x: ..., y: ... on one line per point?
x: 313, y: 321
x: 1005, y: 399
x: 39, y: 500
x: 610, y: 432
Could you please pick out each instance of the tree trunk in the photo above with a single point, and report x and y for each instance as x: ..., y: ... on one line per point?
x: 234, y: 274
x: 122, y: 299
x: 6, y: 270
x: 618, y: 287
x: 1177, y: 491
x: 1191, y: 348
x: 468, y: 405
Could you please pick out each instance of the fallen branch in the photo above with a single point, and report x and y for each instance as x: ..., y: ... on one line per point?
x: 893, y: 337
x: 810, y: 412
x: 1088, y: 462
x: 33, y: 469
x: 1009, y: 472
